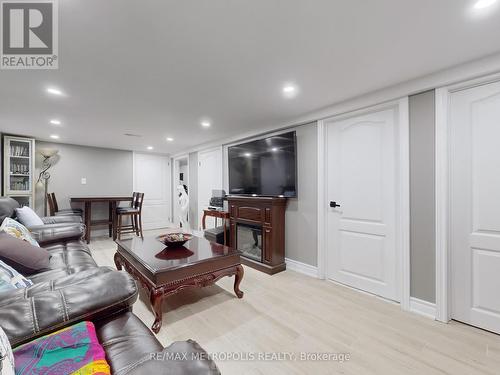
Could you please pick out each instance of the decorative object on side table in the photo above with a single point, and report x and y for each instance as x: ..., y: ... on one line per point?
x: 44, y: 176
x: 174, y: 239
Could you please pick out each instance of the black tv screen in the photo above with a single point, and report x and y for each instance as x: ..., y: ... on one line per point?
x: 264, y: 167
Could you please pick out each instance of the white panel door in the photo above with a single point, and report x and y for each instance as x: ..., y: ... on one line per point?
x: 209, y: 178
x: 152, y: 177
x: 475, y: 206
x: 361, y: 178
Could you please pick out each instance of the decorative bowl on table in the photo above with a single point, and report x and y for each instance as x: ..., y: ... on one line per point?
x: 174, y: 239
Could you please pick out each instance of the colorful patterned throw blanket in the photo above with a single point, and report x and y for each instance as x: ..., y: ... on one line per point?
x: 72, y: 350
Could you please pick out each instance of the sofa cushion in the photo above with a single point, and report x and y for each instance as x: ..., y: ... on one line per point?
x: 28, y: 217
x: 73, y: 349
x: 21, y: 255
x: 11, y: 279
x: 17, y: 230
x: 6, y: 356
x: 65, y: 259
x: 126, y: 340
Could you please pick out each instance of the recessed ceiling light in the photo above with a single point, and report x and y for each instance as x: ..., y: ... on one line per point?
x: 170, y: 139
x: 55, y: 122
x: 54, y: 91
x: 150, y: 147
x: 274, y: 149
x: 247, y: 154
x: 205, y: 124
x: 54, y: 136
x: 289, y: 90
x: 481, y: 4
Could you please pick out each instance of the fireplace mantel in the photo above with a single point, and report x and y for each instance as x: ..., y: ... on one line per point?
x: 267, y: 213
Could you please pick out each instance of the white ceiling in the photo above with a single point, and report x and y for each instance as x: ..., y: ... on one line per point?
x: 157, y: 67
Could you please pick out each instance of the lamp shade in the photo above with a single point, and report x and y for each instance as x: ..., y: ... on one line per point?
x: 48, y: 152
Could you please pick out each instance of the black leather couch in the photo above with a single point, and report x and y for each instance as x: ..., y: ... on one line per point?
x: 74, y: 289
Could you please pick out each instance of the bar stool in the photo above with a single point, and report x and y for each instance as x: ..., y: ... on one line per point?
x: 135, y: 214
x: 55, y: 211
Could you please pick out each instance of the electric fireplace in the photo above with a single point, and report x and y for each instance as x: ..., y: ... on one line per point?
x: 249, y: 241
x: 257, y: 230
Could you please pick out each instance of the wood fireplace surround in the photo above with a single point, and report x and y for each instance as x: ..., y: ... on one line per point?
x: 268, y: 214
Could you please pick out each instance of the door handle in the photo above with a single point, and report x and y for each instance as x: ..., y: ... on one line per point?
x: 334, y: 204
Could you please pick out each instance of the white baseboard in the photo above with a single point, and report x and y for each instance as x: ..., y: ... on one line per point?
x: 423, y: 308
x: 300, y: 267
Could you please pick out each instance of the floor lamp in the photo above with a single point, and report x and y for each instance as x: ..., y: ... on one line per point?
x: 44, y: 176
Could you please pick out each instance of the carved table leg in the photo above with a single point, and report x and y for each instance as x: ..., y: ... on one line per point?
x: 117, y: 262
x: 237, y: 280
x: 156, y: 302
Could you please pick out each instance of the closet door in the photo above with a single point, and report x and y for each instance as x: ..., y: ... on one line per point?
x: 361, y: 219
x: 475, y: 206
x: 152, y: 177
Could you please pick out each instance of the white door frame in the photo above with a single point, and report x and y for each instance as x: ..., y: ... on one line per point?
x: 443, y: 279
x: 403, y: 190
x: 221, y: 151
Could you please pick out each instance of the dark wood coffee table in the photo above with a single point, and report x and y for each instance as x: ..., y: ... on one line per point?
x: 164, y: 272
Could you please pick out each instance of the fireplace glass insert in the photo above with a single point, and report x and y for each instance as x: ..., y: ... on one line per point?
x: 249, y: 241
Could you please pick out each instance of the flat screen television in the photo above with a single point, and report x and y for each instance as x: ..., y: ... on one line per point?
x: 265, y: 167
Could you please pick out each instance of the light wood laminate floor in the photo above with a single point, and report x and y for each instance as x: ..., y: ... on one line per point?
x: 292, y: 313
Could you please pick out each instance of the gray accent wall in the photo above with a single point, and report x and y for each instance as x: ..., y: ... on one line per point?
x: 108, y: 172
x: 301, y: 238
x: 422, y: 196
x: 301, y: 217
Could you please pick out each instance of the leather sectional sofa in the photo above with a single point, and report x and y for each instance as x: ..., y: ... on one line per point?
x: 75, y: 289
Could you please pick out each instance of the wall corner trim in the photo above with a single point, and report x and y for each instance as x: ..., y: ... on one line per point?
x: 423, y: 308
x: 306, y: 269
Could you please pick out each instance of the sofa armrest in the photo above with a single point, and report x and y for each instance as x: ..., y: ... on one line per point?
x: 182, y: 357
x: 46, y: 234
x: 95, y: 294
x: 70, y: 218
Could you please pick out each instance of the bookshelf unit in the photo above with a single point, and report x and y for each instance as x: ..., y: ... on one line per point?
x: 19, y: 169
